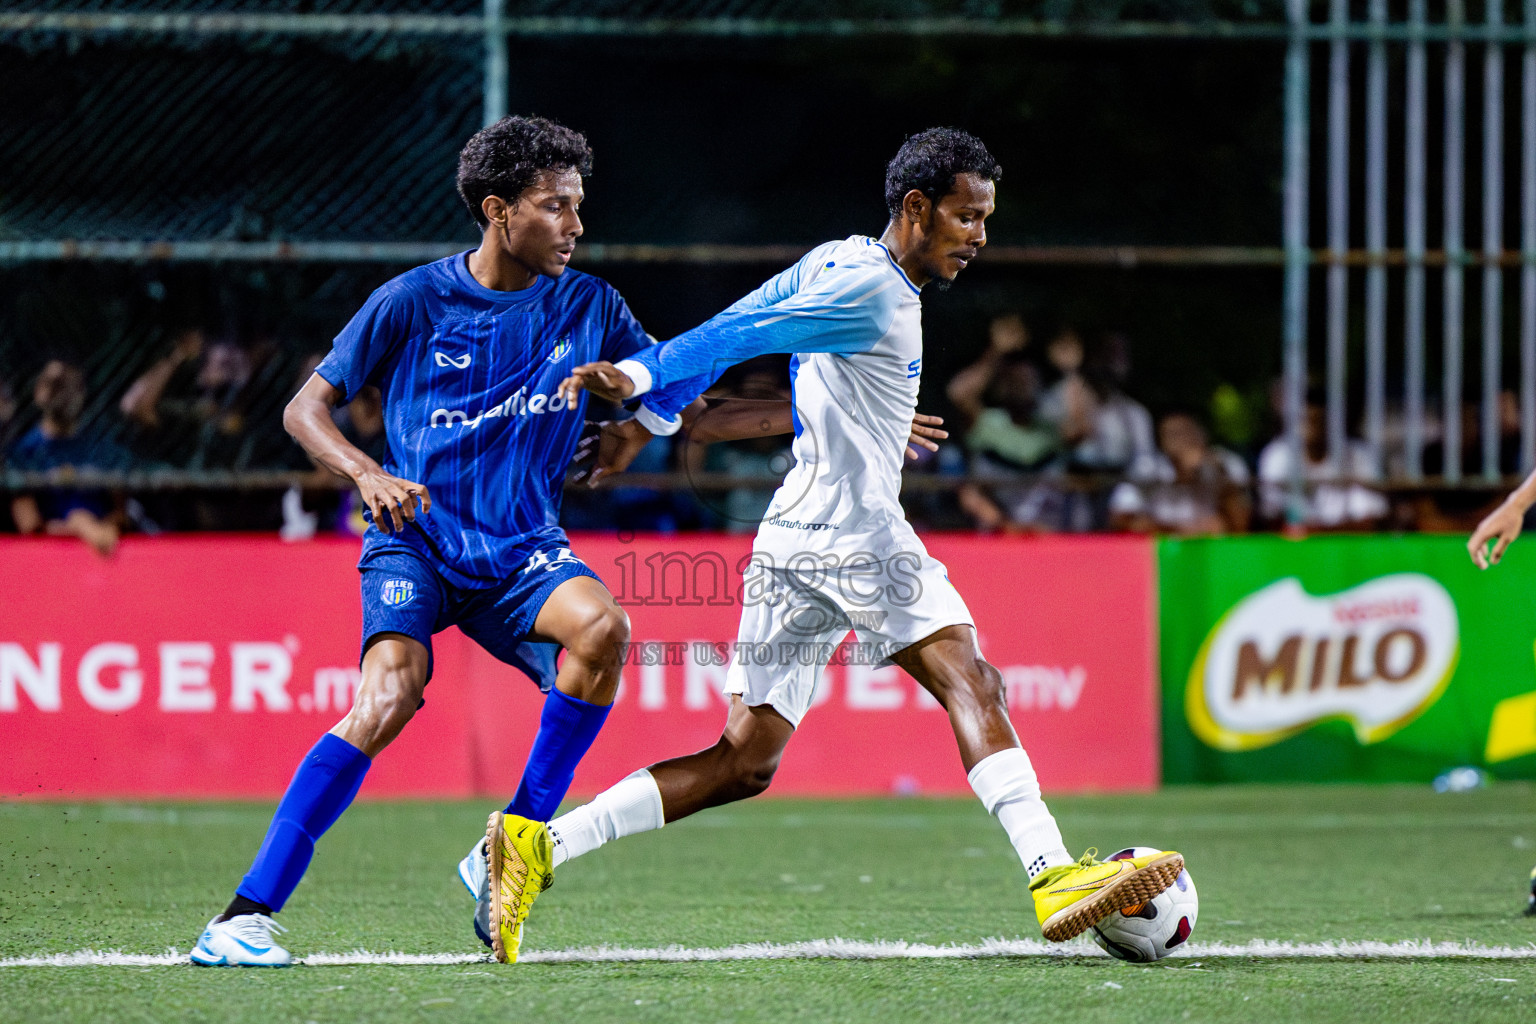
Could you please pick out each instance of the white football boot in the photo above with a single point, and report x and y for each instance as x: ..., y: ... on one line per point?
x: 476, y: 877
x: 243, y: 941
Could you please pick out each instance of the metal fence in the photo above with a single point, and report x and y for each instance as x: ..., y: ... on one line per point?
x: 1415, y: 36
x: 388, y: 86
x: 251, y: 60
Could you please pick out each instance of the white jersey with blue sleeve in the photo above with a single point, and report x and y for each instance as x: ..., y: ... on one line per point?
x: 852, y: 320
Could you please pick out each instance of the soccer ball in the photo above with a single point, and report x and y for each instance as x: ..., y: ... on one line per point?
x: 1152, y: 930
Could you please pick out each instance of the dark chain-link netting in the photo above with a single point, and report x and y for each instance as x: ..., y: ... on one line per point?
x: 796, y: 10
x: 753, y: 136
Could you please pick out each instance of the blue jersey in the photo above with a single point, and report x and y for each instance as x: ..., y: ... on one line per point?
x: 468, y: 376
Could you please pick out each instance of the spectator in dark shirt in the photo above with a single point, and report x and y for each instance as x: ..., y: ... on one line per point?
x: 189, y: 409
x: 318, y: 501
x: 743, y: 508
x: 361, y: 422
x: 194, y: 410
x: 8, y: 419
x: 997, y: 398
x: 1189, y: 487
x: 59, y: 443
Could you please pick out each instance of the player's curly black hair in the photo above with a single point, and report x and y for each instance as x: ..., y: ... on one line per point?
x: 929, y: 161
x: 504, y: 158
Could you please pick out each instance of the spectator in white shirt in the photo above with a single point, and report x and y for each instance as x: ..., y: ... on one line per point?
x: 1336, y: 496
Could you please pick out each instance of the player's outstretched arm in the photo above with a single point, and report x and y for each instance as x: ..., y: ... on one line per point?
x: 819, y: 318
x: 739, y: 419
x: 393, y: 501
x: 1502, y: 525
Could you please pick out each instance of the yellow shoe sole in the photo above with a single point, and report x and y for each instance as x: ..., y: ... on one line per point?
x: 1125, y: 890
x: 493, y: 845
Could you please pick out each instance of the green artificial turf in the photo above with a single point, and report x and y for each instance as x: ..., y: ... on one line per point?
x: 1297, y: 864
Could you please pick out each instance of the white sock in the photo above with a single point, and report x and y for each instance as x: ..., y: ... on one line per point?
x: 633, y: 805
x: 1006, y: 783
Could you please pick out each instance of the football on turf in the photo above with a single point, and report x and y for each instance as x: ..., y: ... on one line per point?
x: 1151, y: 930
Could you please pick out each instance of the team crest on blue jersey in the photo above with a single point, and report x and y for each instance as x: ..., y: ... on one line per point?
x: 397, y: 592
x: 562, y: 349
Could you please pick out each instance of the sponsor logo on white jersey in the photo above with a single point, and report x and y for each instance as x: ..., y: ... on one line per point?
x: 1281, y: 660
x: 444, y: 359
x: 520, y: 404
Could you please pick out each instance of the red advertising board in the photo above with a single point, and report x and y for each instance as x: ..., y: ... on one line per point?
x: 206, y: 666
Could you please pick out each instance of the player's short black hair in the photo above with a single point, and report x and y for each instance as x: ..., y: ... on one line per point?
x: 929, y: 161
x: 504, y: 158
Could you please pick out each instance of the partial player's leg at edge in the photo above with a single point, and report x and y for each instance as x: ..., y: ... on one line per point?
x: 1070, y: 895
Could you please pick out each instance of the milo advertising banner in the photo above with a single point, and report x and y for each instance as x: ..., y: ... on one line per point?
x: 1333, y: 658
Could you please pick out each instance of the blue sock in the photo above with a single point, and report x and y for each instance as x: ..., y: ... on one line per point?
x: 566, y: 731
x: 323, y: 786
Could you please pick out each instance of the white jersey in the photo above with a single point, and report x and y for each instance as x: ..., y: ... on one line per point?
x: 835, y: 551
x: 852, y: 321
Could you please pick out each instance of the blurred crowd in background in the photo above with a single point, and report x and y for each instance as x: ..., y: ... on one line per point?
x: 1046, y: 436
x: 1129, y: 393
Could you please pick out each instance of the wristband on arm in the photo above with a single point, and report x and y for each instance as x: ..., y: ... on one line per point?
x: 658, y: 425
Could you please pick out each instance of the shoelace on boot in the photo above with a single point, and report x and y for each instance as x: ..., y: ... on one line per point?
x: 254, y: 929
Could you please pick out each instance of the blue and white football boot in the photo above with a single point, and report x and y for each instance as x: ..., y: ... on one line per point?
x: 476, y: 877
x: 243, y: 941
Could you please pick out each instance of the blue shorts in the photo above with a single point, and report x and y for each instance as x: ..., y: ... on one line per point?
x: 402, y: 593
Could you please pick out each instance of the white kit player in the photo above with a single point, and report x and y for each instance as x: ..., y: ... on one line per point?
x: 836, y: 541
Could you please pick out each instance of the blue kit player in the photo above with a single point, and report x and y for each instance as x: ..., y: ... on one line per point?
x: 469, y: 353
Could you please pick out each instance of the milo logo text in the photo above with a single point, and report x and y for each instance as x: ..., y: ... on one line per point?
x: 1282, y: 660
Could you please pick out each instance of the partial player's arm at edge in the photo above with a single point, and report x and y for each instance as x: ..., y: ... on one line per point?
x: 308, y: 421
x: 1502, y: 525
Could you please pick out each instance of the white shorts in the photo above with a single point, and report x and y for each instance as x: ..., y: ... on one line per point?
x: 792, y: 622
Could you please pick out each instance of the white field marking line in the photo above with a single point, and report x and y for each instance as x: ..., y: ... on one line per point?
x: 838, y: 949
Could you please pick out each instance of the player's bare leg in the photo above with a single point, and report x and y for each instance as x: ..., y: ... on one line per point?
x: 1069, y: 898
x: 581, y: 616
x: 948, y: 666
x: 394, y: 675
x: 739, y: 765
x: 394, y: 678
x: 742, y: 762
